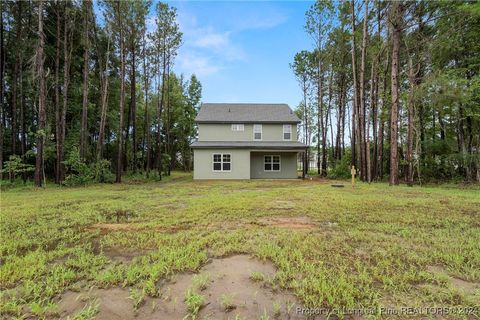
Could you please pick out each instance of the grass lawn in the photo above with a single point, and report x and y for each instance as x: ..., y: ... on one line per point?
x: 322, y: 247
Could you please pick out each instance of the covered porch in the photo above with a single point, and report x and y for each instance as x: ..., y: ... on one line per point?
x: 273, y: 164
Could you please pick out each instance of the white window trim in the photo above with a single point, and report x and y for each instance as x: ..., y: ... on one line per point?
x: 283, y: 133
x: 221, y: 162
x: 261, y: 132
x: 239, y: 126
x: 271, y: 157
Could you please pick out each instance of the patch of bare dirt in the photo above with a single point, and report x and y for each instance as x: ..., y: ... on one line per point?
x: 122, y: 255
x: 119, y: 215
x: 466, y: 286
x: 229, y: 279
x: 282, y: 204
x: 113, y: 303
x: 109, y: 227
x: 173, y: 206
x: 301, y: 223
x: 131, y: 227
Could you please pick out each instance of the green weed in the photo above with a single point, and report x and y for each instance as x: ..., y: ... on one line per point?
x: 194, y: 302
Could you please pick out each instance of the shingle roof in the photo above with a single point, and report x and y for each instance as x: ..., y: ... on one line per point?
x: 264, y: 145
x: 246, y: 113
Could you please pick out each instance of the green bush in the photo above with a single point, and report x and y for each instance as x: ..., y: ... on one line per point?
x: 14, y: 166
x: 341, y: 170
x: 80, y: 173
x: 102, y: 170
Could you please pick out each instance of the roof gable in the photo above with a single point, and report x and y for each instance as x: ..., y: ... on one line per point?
x: 246, y: 113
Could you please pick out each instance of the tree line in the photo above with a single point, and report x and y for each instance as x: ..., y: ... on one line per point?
x: 87, y: 88
x: 392, y: 88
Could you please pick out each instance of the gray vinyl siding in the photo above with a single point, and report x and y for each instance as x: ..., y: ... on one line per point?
x: 288, y: 165
x: 223, y: 132
x: 203, y: 164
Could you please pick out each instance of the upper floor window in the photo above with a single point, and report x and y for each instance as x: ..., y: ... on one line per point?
x: 238, y: 127
x: 287, y: 132
x: 257, y: 132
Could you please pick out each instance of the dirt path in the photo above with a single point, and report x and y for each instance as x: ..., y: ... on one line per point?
x: 234, y: 286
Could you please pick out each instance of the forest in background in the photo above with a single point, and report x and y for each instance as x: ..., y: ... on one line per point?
x: 397, y: 82
x: 87, y: 90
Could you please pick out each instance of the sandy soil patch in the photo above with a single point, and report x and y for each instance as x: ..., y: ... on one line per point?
x: 109, y: 227
x: 122, y: 255
x: 282, y: 204
x: 132, y: 227
x: 300, y: 223
x: 229, y: 279
x: 466, y: 286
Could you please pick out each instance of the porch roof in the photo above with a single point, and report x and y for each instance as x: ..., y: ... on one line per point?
x: 262, y: 145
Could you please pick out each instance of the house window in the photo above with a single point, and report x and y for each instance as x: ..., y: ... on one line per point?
x: 257, y: 132
x: 238, y: 127
x: 287, y: 132
x: 222, y: 162
x: 272, y: 163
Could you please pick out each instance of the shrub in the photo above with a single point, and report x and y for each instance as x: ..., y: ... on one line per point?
x: 102, y: 170
x: 14, y: 166
x: 78, y: 172
x: 341, y: 170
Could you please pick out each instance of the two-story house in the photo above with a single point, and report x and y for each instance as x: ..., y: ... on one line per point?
x: 246, y: 141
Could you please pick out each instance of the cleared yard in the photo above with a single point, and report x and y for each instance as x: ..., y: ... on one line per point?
x: 245, y: 249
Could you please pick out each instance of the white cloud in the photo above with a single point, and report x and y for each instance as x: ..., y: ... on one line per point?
x: 264, y: 19
x: 205, y: 50
x: 212, y: 39
x: 202, y: 66
x: 208, y: 49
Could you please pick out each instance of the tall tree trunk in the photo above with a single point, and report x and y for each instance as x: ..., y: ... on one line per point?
x: 133, y: 107
x: 169, y: 119
x: 325, y: 127
x: 83, y: 130
x: 103, y: 112
x: 127, y: 137
x: 397, y: 10
x: 368, y: 117
x: 381, y: 130
x: 374, y: 101
x: 39, y: 176
x: 344, y: 116
x: 319, y: 138
x: 23, y: 142
x: 462, y: 145
x: 23, y: 146
x: 67, y: 54
x: 362, y: 108
x: 122, y: 98
x: 15, y: 80
x: 329, y: 114
x: 159, y: 114
x: 2, y: 87
x: 337, y: 153
x: 146, y: 127
x: 355, y: 91
x: 58, y: 127
x: 374, y: 117
x: 412, y: 78
x: 320, y: 128
x: 305, y: 115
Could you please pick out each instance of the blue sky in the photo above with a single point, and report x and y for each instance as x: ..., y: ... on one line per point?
x: 241, y: 50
